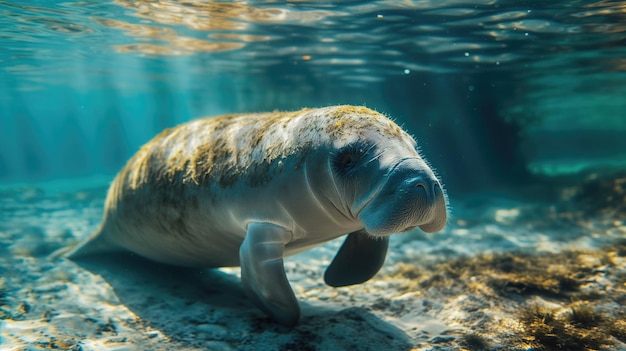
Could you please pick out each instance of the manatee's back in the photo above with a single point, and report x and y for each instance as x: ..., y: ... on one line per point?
x: 152, y: 202
x: 146, y: 185
x: 158, y: 203
x: 171, y: 193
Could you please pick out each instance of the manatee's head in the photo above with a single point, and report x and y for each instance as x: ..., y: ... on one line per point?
x: 384, y: 182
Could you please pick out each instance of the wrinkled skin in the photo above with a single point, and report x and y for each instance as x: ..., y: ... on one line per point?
x: 250, y: 190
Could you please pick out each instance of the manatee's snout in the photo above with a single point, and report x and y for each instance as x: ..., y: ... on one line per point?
x: 431, y: 202
x: 411, y: 197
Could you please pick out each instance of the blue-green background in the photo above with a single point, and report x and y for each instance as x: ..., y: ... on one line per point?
x: 498, y: 93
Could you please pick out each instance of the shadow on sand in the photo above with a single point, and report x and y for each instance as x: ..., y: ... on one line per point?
x: 204, y: 307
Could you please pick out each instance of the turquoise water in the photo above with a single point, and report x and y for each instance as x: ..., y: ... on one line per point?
x: 502, y: 88
x: 519, y: 105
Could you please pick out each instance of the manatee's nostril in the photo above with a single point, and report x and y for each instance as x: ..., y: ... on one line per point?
x: 423, y: 189
x: 431, y: 190
x: 437, y: 188
x: 423, y: 193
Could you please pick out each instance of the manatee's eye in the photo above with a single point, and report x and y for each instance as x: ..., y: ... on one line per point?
x: 347, y: 159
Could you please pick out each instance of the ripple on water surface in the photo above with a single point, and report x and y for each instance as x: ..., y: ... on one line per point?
x: 384, y: 36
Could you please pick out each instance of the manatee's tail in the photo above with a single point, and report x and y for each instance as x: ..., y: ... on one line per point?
x: 97, y: 242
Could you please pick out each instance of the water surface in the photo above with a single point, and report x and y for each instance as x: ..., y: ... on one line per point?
x: 519, y: 105
x: 85, y: 83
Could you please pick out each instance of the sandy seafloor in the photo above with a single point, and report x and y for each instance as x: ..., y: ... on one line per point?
x: 506, y: 274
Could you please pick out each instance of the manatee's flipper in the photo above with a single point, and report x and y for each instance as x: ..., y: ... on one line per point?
x: 359, y: 258
x: 263, y: 275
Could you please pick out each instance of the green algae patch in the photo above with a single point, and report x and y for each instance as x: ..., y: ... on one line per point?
x: 475, y: 342
x: 569, y: 274
x: 572, y: 300
x: 576, y: 328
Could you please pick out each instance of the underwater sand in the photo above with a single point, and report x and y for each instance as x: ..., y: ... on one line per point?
x: 506, y: 274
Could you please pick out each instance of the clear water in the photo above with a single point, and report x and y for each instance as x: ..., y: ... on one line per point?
x: 504, y: 97
x: 498, y: 87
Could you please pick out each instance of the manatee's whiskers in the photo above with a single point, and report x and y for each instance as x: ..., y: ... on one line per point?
x: 250, y: 189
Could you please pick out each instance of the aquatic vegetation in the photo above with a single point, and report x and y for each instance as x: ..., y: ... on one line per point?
x: 475, y: 303
x: 507, y: 273
x: 572, y: 300
x: 618, y: 328
x: 518, y: 103
x: 579, y: 327
x: 475, y: 342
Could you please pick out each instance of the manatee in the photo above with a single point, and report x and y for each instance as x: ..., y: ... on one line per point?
x: 250, y: 189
